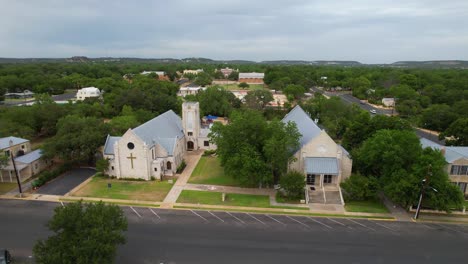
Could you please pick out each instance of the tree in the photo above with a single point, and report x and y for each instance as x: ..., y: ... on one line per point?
x: 457, y: 133
x: 77, y: 139
x: 83, y: 233
x: 215, y: 100
x: 243, y: 85
x: 438, y: 117
x: 203, y: 79
x: 258, y: 99
x: 102, y: 165
x: 360, y: 188
x: 294, y: 90
x: 293, y: 184
x: 233, y: 76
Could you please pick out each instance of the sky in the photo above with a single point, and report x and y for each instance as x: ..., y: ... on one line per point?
x: 369, y: 31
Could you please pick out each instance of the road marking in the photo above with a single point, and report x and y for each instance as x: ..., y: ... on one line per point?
x: 449, y: 228
x: 199, y: 215
x: 360, y: 224
x: 135, y: 212
x: 298, y: 221
x: 428, y: 227
x: 336, y: 221
x: 275, y: 219
x: 384, y: 226
x: 255, y: 218
x: 216, y: 216
x: 235, y: 217
x: 320, y: 222
x: 154, y: 213
x: 62, y: 204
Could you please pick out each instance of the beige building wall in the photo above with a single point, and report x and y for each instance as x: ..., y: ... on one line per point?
x: 139, y: 154
x: 458, y: 178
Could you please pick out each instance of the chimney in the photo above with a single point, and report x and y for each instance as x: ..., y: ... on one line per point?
x: 11, y: 142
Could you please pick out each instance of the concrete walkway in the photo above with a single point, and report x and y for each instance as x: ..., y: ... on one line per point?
x: 191, y: 159
x: 395, y: 210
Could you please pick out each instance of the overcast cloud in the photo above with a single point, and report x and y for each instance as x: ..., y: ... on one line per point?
x: 370, y: 31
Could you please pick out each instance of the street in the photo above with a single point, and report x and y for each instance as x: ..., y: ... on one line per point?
x: 201, y: 236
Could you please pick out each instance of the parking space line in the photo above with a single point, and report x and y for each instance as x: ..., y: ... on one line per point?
x: 216, y: 216
x: 315, y: 220
x: 384, y: 226
x: 154, y: 213
x: 199, y: 215
x: 298, y: 221
x: 135, y: 212
x: 235, y: 217
x: 449, y: 228
x: 275, y: 220
x: 360, y: 224
x: 256, y: 218
x: 336, y: 221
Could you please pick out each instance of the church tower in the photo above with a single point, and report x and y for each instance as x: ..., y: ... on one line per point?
x: 191, y: 124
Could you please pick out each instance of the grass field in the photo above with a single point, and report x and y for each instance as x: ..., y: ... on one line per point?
x: 7, y: 186
x: 236, y: 87
x: 366, y: 207
x: 209, y: 171
x: 129, y: 190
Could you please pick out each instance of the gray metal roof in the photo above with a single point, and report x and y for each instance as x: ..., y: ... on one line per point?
x: 30, y: 157
x: 321, y: 166
x: 451, y: 153
x: 251, y: 75
x: 5, y: 142
x: 304, y: 123
x: 109, y: 146
x: 161, y: 128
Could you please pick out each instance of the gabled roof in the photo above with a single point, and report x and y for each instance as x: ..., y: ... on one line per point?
x: 5, y: 142
x: 451, y: 153
x: 166, y: 125
x: 109, y: 145
x: 30, y: 157
x: 304, y: 123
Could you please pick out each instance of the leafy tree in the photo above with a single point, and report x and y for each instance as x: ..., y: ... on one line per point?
x: 83, y: 233
x: 293, y: 184
x: 243, y: 85
x: 258, y: 99
x: 457, y: 133
x: 77, y: 139
x: 203, y: 79
x: 233, y: 76
x: 438, y: 117
x: 294, y: 90
x: 120, y: 124
x: 360, y: 188
x: 102, y: 165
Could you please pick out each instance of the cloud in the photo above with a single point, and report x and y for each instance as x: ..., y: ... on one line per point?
x: 370, y: 31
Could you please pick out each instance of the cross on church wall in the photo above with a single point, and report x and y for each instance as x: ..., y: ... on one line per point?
x: 131, y: 158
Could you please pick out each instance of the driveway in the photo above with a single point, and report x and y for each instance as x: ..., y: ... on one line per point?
x: 66, y: 182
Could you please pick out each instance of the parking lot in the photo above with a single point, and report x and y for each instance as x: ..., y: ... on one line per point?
x: 288, y: 223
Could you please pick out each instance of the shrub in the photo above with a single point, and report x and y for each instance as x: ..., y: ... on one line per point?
x: 209, y: 152
x: 293, y: 184
x: 359, y: 188
x: 181, y: 167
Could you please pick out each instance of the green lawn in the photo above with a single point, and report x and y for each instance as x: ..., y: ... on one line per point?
x: 214, y: 198
x: 366, y: 207
x: 129, y: 190
x: 7, y: 186
x: 209, y: 171
x: 236, y: 87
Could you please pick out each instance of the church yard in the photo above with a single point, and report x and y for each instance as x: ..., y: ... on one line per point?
x: 126, y: 190
x: 209, y: 171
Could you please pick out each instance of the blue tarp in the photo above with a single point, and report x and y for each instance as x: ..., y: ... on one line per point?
x: 212, y: 117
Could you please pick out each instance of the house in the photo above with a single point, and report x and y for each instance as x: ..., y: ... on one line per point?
x: 184, y: 91
x: 28, y: 162
x: 251, y: 77
x: 23, y: 95
x: 457, y: 162
x: 88, y: 92
x: 194, y: 72
x: 227, y: 71
x: 157, y: 147
x: 161, y: 74
x: 325, y: 163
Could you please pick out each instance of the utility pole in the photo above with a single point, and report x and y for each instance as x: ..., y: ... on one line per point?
x: 423, y: 188
x: 16, y: 171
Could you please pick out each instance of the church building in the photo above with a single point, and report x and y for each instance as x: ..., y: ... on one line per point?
x: 157, y: 147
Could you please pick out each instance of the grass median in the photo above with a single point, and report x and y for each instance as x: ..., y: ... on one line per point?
x: 372, y: 206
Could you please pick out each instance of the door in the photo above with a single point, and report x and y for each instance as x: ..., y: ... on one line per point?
x: 189, y: 145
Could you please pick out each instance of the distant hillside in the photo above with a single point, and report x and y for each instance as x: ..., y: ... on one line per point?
x: 432, y: 64
x: 319, y: 62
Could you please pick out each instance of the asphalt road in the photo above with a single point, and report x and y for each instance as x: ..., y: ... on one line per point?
x: 348, y: 98
x: 176, y: 236
x: 66, y: 182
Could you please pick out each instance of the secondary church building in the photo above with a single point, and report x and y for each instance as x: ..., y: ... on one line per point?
x: 157, y: 147
x: 324, y: 162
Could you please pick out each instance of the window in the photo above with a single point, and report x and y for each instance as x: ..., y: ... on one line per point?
x: 206, y: 143
x: 22, y: 146
x: 35, y: 166
x: 327, y: 178
x: 155, y: 169
x: 459, y: 170
x: 311, y: 179
x: 112, y: 167
x: 190, y: 134
x: 7, y: 153
x: 130, y: 145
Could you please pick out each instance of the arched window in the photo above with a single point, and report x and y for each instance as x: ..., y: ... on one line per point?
x: 169, y: 165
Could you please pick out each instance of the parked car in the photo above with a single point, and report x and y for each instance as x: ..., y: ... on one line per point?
x: 5, y: 257
x: 373, y: 111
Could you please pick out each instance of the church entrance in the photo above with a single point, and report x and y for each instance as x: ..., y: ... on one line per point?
x: 190, y: 145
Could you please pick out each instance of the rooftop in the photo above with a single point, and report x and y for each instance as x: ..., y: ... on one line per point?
x: 5, y: 142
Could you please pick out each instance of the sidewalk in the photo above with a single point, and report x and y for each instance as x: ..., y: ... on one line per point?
x: 397, y: 211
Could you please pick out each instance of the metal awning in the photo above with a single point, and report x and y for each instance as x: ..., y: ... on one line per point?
x: 317, y: 165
